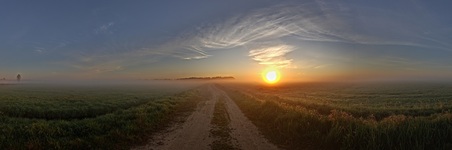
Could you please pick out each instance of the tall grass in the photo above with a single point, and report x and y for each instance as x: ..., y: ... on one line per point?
x: 297, y: 127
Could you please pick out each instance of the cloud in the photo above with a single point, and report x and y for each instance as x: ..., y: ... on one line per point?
x: 242, y: 30
x: 272, y: 55
x: 322, y: 66
x: 39, y: 50
x: 320, y: 21
x: 105, y: 28
x: 255, y: 30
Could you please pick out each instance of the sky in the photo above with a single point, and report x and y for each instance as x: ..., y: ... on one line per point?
x: 307, y: 40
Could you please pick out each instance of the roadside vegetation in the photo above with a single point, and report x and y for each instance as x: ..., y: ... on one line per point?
x: 221, y: 130
x: 307, y: 125
x: 74, y: 119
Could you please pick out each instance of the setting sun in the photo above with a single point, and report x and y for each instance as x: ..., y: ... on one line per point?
x: 271, y: 75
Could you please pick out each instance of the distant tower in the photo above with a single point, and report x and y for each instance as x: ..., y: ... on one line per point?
x: 18, y: 77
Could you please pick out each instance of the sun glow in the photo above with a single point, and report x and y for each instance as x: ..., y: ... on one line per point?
x: 271, y: 75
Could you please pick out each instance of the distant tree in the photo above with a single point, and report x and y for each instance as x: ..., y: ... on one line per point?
x: 18, y: 77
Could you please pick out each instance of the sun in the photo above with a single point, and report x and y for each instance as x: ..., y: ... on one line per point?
x: 271, y: 75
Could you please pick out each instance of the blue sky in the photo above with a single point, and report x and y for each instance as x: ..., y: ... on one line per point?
x: 306, y: 39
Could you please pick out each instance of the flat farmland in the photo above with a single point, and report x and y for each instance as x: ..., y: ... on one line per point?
x: 349, y: 115
x: 227, y: 115
x: 115, y: 116
x: 362, y: 100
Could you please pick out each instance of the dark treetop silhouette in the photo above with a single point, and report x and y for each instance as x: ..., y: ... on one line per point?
x: 19, y: 77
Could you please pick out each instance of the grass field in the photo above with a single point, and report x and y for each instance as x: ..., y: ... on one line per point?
x: 349, y: 116
x: 35, y: 116
x: 293, y: 116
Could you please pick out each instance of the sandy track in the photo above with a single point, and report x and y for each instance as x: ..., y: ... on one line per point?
x: 246, y: 133
x: 193, y: 134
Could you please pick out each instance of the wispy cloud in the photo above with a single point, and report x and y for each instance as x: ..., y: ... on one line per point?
x: 105, y: 28
x: 243, y: 30
x: 39, y: 49
x: 47, y: 47
x: 322, y: 66
x: 320, y: 21
x: 272, y: 55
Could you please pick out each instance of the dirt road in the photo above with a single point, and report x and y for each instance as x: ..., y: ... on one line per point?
x: 195, y: 132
